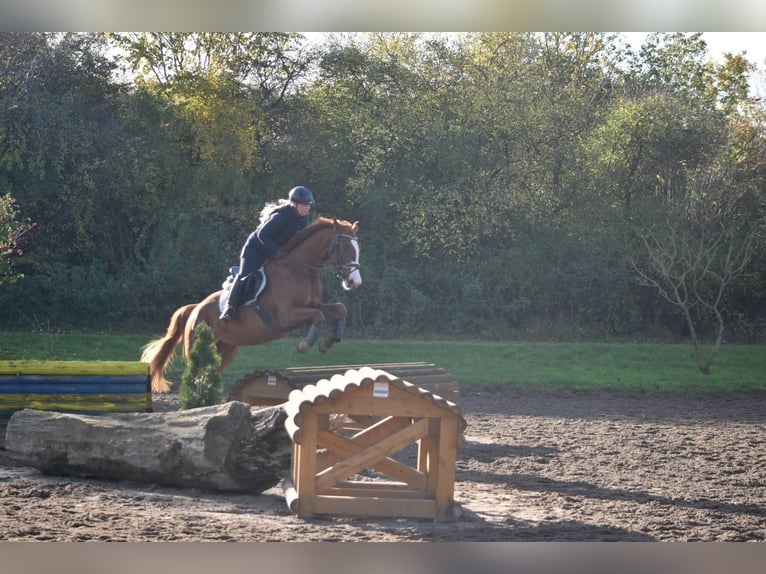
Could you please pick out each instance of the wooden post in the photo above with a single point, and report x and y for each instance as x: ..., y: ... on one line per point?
x: 445, y: 464
x: 306, y: 464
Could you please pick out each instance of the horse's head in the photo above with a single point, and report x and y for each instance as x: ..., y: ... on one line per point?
x: 345, y: 254
x: 328, y: 242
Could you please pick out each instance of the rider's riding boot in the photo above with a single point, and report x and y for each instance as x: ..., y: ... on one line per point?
x: 237, y: 289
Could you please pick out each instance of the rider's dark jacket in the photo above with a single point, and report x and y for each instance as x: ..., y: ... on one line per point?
x: 269, y: 237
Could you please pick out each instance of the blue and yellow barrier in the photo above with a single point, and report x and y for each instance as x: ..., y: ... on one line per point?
x: 85, y: 387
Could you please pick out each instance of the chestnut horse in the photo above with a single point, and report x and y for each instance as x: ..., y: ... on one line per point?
x: 292, y: 298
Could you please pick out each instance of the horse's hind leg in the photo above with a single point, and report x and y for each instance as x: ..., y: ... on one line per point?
x: 228, y: 353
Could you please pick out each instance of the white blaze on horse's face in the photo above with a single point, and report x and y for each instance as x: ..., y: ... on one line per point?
x: 354, y: 278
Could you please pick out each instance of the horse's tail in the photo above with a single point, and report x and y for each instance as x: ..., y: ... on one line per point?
x: 159, y: 352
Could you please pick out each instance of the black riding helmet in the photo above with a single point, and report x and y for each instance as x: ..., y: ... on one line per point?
x: 301, y: 194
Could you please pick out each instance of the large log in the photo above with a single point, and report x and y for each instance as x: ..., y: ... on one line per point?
x: 229, y: 447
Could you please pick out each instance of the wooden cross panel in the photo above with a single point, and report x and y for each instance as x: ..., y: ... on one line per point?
x: 328, y: 458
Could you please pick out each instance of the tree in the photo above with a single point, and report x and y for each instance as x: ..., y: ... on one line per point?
x: 226, y: 91
x: 643, y: 147
x: 691, y: 259
x: 63, y: 150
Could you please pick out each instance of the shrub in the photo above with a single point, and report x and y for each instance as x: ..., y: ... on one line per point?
x: 202, y: 383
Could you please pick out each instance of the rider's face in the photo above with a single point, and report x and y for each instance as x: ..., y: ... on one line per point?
x: 302, y: 209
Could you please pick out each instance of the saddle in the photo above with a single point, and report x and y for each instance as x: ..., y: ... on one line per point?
x: 255, y: 283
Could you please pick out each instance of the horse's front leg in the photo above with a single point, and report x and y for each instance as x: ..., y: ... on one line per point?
x: 317, y: 319
x: 338, y: 326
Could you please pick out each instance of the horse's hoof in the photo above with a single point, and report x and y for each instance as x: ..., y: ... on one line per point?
x: 303, y: 346
x: 324, y: 346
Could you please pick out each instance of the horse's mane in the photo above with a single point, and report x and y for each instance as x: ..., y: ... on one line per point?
x: 310, y: 231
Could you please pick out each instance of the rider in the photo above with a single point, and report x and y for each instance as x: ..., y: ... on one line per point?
x: 277, y: 226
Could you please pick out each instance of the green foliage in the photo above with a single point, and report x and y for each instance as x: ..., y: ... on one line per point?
x: 494, y: 174
x: 201, y: 383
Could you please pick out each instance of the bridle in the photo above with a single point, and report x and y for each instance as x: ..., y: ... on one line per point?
x: 340, y: 266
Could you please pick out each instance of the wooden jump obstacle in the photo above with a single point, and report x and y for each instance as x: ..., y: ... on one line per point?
x: 272, y: 387
x: 83, y: 387
x: 340, y: 468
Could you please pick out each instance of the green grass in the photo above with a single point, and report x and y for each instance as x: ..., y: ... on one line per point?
x: 539, y: 365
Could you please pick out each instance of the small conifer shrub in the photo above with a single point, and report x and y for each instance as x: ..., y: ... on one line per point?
x: 201, y: 383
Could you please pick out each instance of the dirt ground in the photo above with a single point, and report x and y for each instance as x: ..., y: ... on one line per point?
x: 537, y: 466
